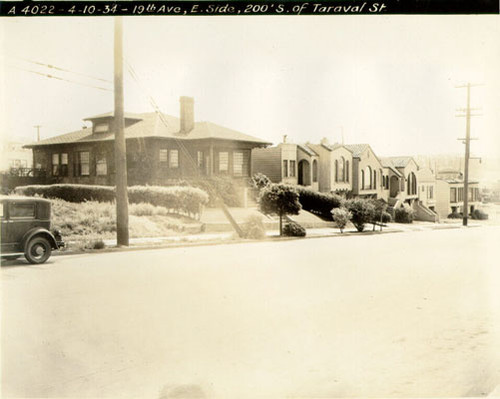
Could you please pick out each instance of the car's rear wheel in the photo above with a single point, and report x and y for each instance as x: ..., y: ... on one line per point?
x: 38, y: 250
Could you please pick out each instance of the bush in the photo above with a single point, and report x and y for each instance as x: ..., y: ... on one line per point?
x: 260, y: 180
x: 188, y: 200
x: 253, y: 228
x: 386, y: 217
x: 341, y: 217
x: 279, y: 199
x: 362, y: 211
x: 293, y: 229
x: 455, y: 215
x: 320, y: 204
x: 404, y: 215
x: 478, y: 214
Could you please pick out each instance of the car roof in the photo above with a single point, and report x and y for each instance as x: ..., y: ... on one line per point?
x: 19, y: 198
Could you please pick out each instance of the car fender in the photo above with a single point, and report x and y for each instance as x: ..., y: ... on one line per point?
x: 39, y: 231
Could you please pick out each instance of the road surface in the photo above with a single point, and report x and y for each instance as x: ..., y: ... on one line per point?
x: 387, y: 315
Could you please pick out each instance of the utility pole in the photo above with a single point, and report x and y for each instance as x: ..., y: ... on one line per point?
x: 37, y: 127
x: 467, y: 114
x: 122, y: 235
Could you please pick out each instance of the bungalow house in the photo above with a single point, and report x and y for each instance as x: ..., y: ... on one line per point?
x: 335, y: 167
x: 160, y: 148
x: 367, y: 172
x: 427, y: 188
x: 288, y: 163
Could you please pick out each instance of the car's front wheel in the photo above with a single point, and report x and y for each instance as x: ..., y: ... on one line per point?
x: 38, y: 250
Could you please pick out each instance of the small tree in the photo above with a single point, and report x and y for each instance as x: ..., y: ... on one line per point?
x: 341, y: 217
x: 362, y: 212
x: 279, y: 199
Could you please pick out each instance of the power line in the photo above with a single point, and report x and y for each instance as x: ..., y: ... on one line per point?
x: 62, y: 69
x: 59, y: 78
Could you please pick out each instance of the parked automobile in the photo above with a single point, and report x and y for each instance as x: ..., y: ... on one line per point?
x: 26, y: 229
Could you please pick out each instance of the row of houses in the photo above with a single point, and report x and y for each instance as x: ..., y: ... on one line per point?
x: 162, y: 148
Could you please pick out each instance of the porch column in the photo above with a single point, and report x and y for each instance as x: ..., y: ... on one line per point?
x: 211, y: 157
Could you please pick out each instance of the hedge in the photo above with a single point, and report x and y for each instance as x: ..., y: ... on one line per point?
x: 320, y: 204
x: 187, y: 200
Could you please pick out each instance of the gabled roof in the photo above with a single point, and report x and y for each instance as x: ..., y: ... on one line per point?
x: 358, y: 149
x: 154, y: 125
x: 398, y: 162
x: 308, y: 150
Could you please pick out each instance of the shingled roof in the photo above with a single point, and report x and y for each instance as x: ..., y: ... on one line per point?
x: 397, y: 162
x: 152, y: 125
x: 357, y: 149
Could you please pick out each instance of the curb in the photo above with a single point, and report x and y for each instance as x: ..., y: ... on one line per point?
x: 228, y: 241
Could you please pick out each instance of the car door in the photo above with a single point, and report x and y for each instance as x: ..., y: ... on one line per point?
x: 5, y: 224
x: 21, y: 219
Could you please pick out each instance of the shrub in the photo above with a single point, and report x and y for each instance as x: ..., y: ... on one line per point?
x: 362, y: 211
x: 320, y: 204
x: 188, y: 200
x: 98, y: 244
x: 386, y: 217
x: 341, y: 217
x: 404, y: 215
x: 455, y: 215
x: 478, y: 214
x: 293, y: 229
x: 279, y: 199
x: 260, y: 180
x: 253, y: 227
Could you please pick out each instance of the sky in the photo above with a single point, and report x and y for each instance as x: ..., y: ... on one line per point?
x: 384, y: 80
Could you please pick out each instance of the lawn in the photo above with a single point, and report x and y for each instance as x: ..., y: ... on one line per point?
x: 88, y: 223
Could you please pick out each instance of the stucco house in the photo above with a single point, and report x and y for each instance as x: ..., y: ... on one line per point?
x: 367, y: 172
x: 160, y: 148
x: 450, y: 196
x: 403, y: 188
x: 288, y: 163
x: 335, y: 167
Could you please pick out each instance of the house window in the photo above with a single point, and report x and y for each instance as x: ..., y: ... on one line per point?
x: 315, y: 171
x: 285, y: 168
x: 101, y: 128
x: 336, y: 170
x: 341, y: 174
x: 368, y: 178
x: 101, y: 168
x: 292, y: 169
x: 64, y: 164
x: 223, y: 161
x: 453, y: 194
x: 237, y: 163
x: 347, y: 171
x: 174, y: 158
x: 82, y: 163
x: 430, y: 192
x: 55, y: 164
x: 375, y: 179
x: 199, y: 159
x: 163, y: 156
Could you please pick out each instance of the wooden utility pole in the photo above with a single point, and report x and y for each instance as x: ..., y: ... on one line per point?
x: 37, y: 127
x: 122, y: 237
x: 467, y: 114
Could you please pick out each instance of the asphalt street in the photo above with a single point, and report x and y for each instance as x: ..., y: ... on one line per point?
x: 412, y: 314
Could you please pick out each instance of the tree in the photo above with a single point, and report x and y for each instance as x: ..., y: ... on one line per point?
x: 362, y: 212
x: 279, y: 199
x: 341, y: 217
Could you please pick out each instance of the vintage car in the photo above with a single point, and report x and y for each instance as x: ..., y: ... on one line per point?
x: 26, y: 229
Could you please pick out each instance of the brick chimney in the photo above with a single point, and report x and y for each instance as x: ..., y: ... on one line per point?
x: 187, y: 114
